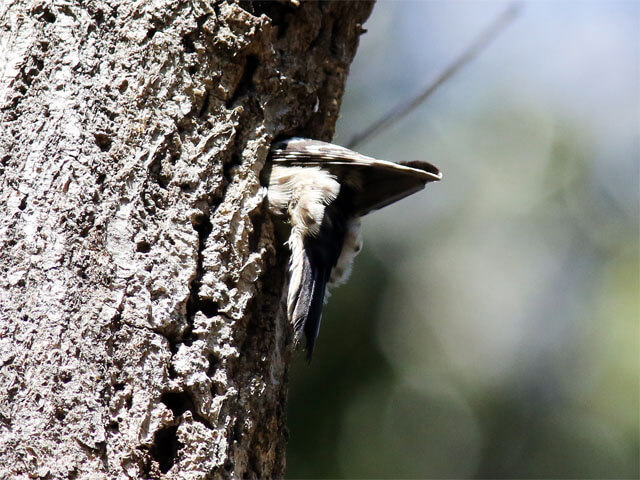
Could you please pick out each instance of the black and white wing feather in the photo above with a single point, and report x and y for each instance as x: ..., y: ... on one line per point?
x: 378, y: 183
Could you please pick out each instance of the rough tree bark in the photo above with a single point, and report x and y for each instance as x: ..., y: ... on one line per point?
x: 141, y: 331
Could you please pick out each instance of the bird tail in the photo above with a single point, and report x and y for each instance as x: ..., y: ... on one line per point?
x: 307, y: 288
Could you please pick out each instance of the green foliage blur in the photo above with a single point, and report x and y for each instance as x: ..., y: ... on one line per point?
x: 491, y: 326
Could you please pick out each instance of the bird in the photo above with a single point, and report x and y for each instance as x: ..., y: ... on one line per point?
x: 321, y: 191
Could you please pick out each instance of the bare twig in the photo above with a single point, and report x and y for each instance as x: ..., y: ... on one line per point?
x: 490, y: 33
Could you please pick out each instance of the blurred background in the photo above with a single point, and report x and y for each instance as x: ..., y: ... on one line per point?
x: 491, y: 326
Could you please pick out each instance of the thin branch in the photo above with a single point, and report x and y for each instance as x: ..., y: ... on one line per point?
x: 481, y: 42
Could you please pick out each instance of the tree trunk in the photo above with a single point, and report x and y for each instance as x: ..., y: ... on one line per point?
x: 141, y: 331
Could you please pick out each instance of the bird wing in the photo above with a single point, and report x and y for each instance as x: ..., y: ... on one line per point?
x: 378, y: 182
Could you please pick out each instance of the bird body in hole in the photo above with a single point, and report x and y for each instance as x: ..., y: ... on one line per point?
x: 322, y: 190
